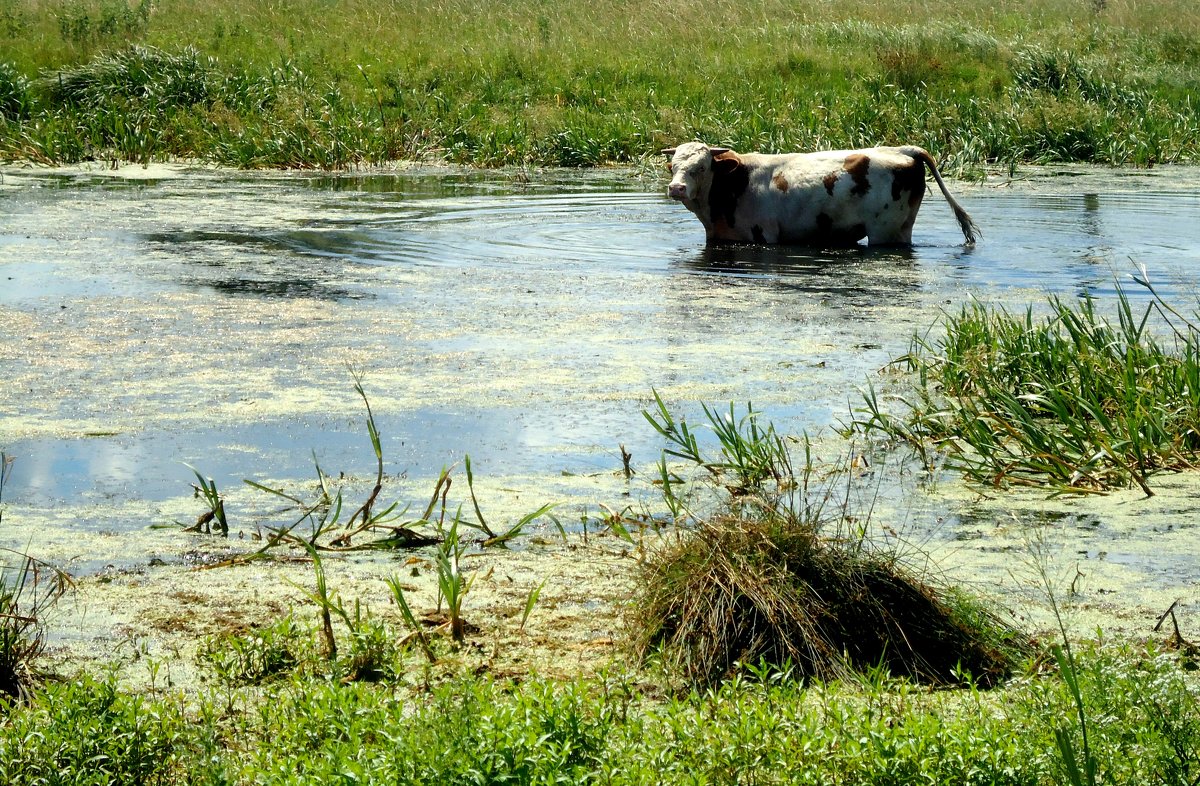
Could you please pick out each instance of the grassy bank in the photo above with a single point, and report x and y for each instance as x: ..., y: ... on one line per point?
x: 1145, y: 729
x: 325, y: 84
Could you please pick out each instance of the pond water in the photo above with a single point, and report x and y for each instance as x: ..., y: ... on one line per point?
x: 156, y: 316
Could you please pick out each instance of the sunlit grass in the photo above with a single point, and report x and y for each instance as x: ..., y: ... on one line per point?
x: 1083, y: 397
x: 615, y: 730
x: 324, y: 84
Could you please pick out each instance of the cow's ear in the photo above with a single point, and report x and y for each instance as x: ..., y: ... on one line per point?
x: 726, y: 161
x: 718, y: 151
x: 667, y: 151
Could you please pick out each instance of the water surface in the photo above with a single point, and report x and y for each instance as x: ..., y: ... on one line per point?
x: 157, y: 316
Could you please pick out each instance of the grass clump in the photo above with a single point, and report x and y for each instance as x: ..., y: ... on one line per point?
x: 1069, y: 400
x: 783, y: 573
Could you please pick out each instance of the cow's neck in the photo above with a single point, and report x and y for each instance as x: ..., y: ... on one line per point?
x: 702, y: 210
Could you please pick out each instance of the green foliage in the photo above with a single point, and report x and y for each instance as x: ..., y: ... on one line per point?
x: 1071, y: 400
x: 86, y: 732
x: 258, y: 655
x: 1145, y: 728
x: 277, y: 85
x: 14, y: 93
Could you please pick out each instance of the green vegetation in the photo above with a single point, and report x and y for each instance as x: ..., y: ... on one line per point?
x: 1069, y: 400
x: 609, y: 730
x: 312, y: 83
x: 347, y: 697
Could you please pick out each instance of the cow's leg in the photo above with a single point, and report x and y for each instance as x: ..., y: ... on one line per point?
x: 766, y: 232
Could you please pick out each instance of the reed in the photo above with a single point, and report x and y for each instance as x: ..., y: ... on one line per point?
x: 29, y: 588
x: 1070, y: 399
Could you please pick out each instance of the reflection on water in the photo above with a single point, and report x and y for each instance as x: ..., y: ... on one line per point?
x: 855, y: 276
x: 522, y: 321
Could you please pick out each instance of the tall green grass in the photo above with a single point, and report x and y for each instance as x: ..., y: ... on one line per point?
x: 1069, y: 399
x: 332, y: 84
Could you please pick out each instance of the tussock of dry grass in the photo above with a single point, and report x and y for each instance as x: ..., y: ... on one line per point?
x: 739, y: 592
x: 783, y: 572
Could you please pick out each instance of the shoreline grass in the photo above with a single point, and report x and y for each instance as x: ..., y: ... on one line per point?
x: 333, y: 85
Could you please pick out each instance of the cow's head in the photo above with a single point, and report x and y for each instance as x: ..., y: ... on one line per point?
x: 691, y: 169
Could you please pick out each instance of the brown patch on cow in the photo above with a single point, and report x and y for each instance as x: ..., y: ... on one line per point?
x: 857, y: 165
x: 830, y: 181
x: 911, y: 179
x: 730, y: 178
x: 780, y: 182
x: 758, y: 234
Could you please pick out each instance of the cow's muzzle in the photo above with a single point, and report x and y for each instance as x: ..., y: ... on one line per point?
x: 677, y: 191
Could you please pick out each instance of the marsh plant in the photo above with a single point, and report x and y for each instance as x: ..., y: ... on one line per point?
x: 28, y: 589
x: 783, y: 572
x: 213, y: 519
x: 1064, y: 398
x: 257, y: 655
x: 322, y: 523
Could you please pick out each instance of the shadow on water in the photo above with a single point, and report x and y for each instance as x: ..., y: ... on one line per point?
x: 854, y: 274
x: 287, y: 264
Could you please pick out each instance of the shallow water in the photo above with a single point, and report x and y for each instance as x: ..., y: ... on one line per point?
x: 157, y: 316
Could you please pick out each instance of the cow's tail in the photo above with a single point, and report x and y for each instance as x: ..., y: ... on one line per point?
x: 969, y: 229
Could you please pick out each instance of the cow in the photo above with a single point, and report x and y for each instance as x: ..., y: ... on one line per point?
x: 833, y: 198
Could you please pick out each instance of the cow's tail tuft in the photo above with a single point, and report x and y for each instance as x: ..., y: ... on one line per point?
x: 969, y: 229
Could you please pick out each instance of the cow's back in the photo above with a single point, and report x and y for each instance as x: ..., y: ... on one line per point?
x: 830, y: 197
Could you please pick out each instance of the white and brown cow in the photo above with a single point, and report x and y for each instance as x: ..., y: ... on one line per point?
x: 818, y: 199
